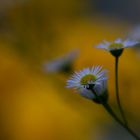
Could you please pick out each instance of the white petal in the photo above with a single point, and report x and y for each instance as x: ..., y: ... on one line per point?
x: 130, y: 43
x: 87, y: 94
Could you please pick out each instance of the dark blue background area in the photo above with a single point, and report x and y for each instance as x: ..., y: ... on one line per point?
x: 128, y: 10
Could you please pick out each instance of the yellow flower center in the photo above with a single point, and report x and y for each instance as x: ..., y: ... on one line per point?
x: 85, y: 79
x: 116, y: 46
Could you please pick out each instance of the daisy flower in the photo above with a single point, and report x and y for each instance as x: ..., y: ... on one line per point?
x: 116, y: 47
x: 90, y: 82
x: 61, y: 64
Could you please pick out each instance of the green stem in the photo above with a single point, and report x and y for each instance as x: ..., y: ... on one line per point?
x: 117, y: 91
x: 110, y: 111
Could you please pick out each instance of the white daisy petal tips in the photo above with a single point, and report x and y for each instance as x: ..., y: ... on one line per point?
x: 90, y: 82
x: 117, y: 44
x: 116, y: 47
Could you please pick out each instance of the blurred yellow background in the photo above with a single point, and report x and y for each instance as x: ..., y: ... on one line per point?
x: 35, y: 105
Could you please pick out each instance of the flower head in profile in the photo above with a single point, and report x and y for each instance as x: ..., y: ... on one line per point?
x: 116, y: 47
x: 61, y: 64
x: 90, y: 82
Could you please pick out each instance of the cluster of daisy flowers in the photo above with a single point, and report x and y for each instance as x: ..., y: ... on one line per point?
x: 92, y: 82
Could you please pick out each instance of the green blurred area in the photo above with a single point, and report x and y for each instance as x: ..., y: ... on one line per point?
x: 36, y: 105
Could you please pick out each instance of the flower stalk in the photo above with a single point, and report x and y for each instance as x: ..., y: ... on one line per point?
x: 111, y: 112
x: 117, y: 91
